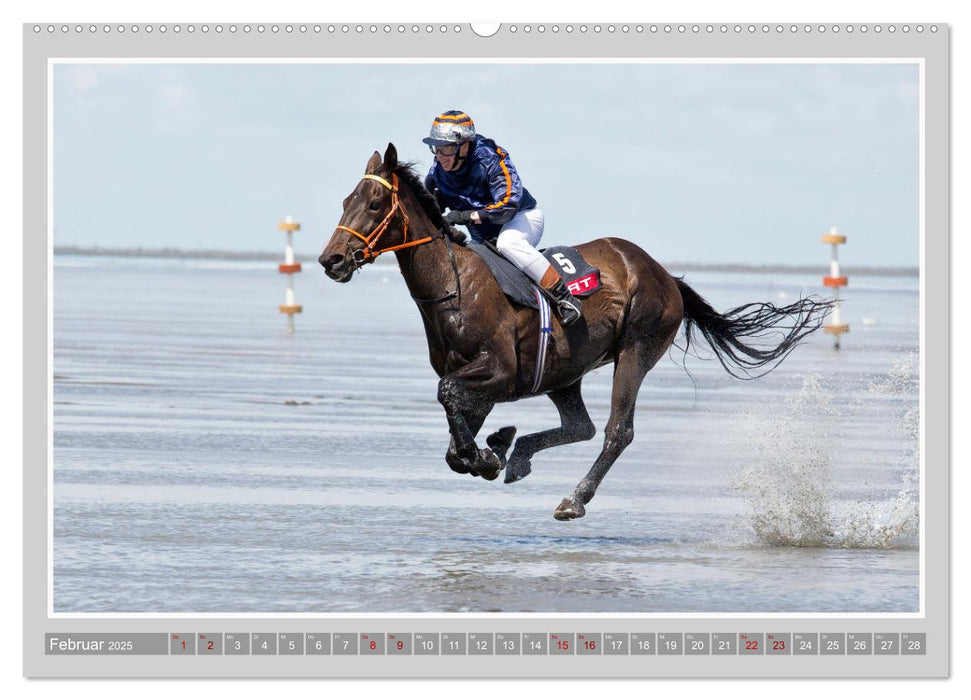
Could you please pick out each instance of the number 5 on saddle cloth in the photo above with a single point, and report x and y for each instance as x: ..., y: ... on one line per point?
x: 578, y: 275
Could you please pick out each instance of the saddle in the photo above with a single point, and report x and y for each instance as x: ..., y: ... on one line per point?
x: 581, y: 278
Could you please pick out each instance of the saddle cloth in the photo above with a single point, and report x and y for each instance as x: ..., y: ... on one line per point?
x: 580, y: 277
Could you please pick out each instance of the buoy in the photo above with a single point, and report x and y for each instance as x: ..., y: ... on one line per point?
x: 835, y: 280
x: 289, y: 267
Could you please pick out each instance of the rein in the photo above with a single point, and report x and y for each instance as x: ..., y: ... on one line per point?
x: 458, y: 280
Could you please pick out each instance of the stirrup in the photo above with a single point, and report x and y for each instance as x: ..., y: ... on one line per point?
x: 567, y: 306
x: 569, y: 313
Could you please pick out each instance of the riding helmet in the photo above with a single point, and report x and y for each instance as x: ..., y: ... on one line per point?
x: 452, y: 127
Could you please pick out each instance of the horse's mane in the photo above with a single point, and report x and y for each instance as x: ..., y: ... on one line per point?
x: 406, y: 171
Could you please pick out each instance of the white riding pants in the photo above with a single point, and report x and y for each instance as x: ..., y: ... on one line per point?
x: 517, y: 242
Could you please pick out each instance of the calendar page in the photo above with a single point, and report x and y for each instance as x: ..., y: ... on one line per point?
x: 516, y: 350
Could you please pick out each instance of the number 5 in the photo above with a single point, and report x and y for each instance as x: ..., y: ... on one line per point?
x: 567, y: 266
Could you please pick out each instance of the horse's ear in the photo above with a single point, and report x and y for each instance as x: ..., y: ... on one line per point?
x: 391, y: 158
x: 373, y: 164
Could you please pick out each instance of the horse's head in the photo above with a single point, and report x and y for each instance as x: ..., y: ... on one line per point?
x: 373, y: 221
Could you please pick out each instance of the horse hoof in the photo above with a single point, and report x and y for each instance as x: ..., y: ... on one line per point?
x: 517, y: 471
x: 500, y: 441
x: 488, y: 465
x: 569, y: 510
x: 457, y: 464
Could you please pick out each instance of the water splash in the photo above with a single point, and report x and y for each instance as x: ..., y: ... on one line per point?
x: 786, y: 487
x: 896, y: 522
x: 902, y: 383
x: 882, y: 525
x: 793, y: 486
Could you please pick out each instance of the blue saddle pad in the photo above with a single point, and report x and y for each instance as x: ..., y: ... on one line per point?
x: 579, y: 276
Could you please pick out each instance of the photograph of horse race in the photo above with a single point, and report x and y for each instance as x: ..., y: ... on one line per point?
x: 674, y: 306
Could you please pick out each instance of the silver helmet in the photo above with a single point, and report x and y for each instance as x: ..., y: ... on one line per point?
x: 451, y: 128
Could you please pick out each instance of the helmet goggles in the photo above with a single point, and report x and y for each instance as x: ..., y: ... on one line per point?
x: 447, y: 151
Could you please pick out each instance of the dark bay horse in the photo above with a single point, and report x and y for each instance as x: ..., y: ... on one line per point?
x: 483, y: 347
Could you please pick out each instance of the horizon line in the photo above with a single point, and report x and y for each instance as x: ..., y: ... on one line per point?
x: 215, y: 254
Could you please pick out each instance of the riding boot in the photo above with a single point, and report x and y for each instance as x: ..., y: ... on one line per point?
x: 567, y: 305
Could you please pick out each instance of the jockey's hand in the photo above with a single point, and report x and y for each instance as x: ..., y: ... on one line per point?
x: 459, y: 218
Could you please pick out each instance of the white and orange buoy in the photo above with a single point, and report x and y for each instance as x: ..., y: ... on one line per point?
x: 289, y: 267
x: 835, y: 280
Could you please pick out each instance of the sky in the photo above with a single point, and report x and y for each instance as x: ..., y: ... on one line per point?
x: 703, y: 163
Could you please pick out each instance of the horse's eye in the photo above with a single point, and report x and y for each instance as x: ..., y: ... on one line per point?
x: 374, y: 206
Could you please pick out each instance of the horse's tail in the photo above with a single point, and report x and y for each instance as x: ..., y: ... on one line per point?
x: 724, y: 332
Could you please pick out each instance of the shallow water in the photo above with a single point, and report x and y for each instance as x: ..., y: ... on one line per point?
x: 207, y: 461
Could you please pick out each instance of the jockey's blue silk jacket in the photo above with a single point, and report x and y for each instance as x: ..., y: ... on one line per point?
x: 487, y: 183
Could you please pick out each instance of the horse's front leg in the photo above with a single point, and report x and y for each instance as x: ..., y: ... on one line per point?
x: 465, y: 460
x: 575, y: 425
x: 467, y: 396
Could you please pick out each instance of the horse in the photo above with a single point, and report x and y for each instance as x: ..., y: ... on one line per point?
x: 483, y: 347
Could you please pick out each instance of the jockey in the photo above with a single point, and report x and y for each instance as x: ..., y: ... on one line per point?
x: 478, y: 182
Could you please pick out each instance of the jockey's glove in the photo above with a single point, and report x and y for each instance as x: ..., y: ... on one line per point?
x: 459, y: 218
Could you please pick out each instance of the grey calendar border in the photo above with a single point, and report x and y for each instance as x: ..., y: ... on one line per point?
x: 686, y: 43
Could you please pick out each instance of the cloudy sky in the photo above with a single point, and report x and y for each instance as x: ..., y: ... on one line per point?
x: 724, y: 163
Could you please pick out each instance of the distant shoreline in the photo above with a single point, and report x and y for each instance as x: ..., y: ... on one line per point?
x: 179, y: 254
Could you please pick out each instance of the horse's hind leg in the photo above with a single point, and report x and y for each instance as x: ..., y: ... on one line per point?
x: 575, y: 425
x: 629, y: 372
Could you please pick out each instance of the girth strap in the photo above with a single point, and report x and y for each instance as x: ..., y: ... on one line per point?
x: 545, y: 329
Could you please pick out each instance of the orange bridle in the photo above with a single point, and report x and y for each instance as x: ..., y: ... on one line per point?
x: 368, y: 252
